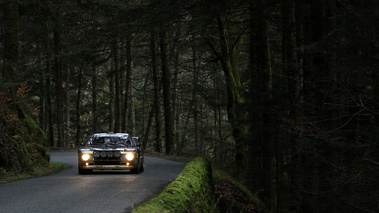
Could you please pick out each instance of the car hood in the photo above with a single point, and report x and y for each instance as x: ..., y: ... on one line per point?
x: 120, y: 147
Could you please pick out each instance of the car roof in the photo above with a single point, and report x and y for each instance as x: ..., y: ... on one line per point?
x: 111, y: 134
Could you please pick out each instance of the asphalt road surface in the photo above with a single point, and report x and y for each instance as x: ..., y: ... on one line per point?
x: 102, y: 191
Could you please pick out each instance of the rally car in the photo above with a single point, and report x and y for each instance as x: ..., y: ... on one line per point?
x: 111, y: 151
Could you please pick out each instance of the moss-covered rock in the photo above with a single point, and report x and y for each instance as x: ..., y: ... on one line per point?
x: 22, y: 145
x: 192, y: 191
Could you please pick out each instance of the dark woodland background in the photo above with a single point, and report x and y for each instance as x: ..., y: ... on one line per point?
x: 283, y: 94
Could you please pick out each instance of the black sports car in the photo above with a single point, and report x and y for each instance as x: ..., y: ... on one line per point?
x: 111, y: 151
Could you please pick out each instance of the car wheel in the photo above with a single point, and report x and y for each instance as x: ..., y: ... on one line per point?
x: 135, y: 171
x: 142, y: 167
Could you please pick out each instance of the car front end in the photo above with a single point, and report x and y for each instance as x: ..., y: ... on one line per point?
x: 107, y: 159
x: 93, y: 156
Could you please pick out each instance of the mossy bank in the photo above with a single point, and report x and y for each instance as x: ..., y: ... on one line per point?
x: 22, y: 142
x: 192, y: 191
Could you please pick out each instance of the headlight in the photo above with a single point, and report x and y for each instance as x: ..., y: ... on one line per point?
x: 129, y: 156
x: 85, y: 157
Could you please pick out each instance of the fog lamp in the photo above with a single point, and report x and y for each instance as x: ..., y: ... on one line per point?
x: 110, y: 154
x: 103, y: 154
x: 96, y: 154
x: 117, y: 154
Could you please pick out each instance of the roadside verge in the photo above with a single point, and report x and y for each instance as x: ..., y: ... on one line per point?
x: 193, y: 190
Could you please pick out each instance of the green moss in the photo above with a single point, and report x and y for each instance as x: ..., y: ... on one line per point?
x: 28, y: 123
x: 23, y: 144
x: 192, y: 191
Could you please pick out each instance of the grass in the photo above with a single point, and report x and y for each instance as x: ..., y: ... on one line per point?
x: 6, y: 176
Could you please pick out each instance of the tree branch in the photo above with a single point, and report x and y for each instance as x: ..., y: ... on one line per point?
x: 209, y: 42
x: 371, y: 161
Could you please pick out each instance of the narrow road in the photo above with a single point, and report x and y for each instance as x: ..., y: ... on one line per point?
x: 102, y: 191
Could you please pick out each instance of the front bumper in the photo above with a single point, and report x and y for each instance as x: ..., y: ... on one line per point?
x: 108, y: 163
x: 108, y: 167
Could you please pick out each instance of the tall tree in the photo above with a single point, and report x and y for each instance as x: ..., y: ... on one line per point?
x: 156, y: 105
x: 230, y: 42
x: 117, y: 79
x: 94, y: 99
x: 78, y: 101
x: 264, y: 73
x: 166, y: 82
x: 58, y: 82
x: 127, y: 84
x: 111, y: 99
x: 130, y: 82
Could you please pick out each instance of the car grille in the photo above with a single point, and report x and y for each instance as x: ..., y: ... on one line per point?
x: 107, y: 154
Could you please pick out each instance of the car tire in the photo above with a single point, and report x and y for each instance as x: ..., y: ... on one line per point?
x: 135, y: 170
x: 142, y: 168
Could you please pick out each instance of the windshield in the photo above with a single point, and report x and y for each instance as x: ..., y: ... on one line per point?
x: 108, y: 141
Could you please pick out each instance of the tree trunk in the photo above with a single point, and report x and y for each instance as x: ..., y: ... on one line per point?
x: 263, y: 66
x: 131, y: 107
x: 66, y: 91
x: 50, y: 108
x: 194, y: 103
x: 294, y: 99
x: 166, y: 81
x: 228, y: 57
x: 157, y: 106
x: 94, y: 100
x: 146, y: 134
x: 111, y: 100
x: 117, y: 103
x: 78, y: 121
x: 58, y: 86
x: 175, y: 105
x: 127, y: 84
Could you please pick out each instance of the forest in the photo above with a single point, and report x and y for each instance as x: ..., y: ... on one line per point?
x: 282, y: 94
